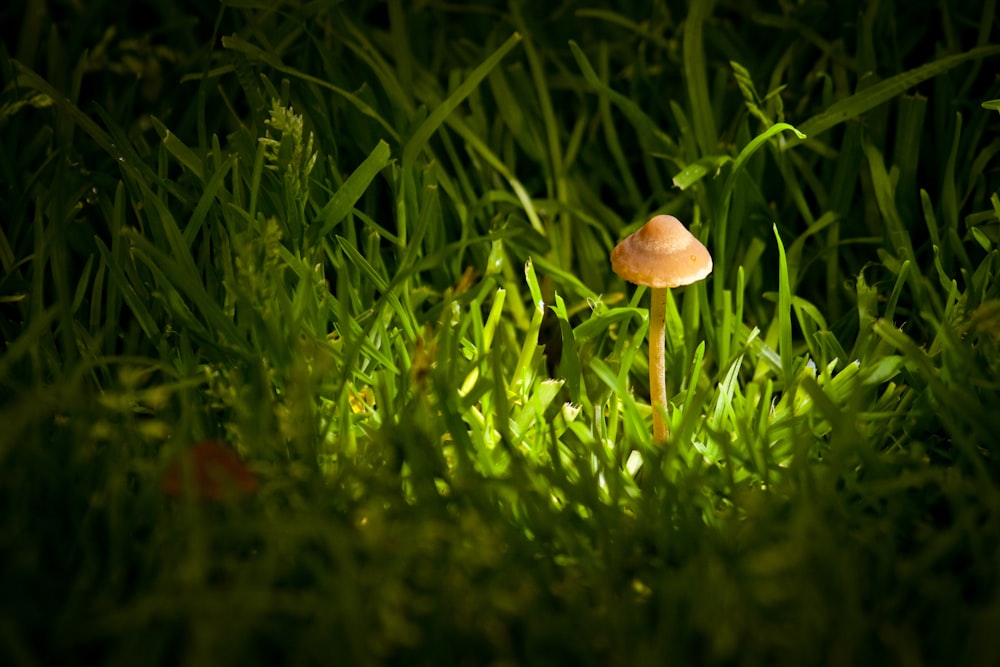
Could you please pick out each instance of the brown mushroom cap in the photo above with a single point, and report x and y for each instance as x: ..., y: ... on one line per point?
x: 661, y: 253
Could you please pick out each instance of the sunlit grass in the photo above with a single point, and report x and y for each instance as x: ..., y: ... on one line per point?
x: 367, y: 250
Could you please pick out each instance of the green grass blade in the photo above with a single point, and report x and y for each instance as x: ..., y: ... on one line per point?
x: 179, y: 149
x: 653, y: 139
x: 433, y: 121
x: 784, y: 321
x: 696, y: 76
x: 350, y: 192
x: 883, y: 91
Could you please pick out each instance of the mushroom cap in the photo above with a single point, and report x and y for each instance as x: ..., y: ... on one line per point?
x: 661, y: 253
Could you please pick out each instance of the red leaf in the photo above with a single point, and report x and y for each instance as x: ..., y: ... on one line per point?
x: 216, y: 473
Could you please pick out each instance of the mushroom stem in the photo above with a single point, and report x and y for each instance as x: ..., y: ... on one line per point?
x: 658, y: 362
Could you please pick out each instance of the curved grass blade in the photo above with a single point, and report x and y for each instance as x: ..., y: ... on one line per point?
x: 433, y: 121
x: 652, y: 136
x: 350, y: 192
x: 882, y: 92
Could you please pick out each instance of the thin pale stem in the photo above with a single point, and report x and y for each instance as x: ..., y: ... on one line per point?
x: 658, y: 362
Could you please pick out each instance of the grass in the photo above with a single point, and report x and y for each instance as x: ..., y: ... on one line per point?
x: 366, y: 248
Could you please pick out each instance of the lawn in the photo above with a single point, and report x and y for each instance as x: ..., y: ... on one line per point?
x: 311, y: 351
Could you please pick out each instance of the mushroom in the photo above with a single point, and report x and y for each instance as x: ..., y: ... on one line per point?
x: 660, y: 255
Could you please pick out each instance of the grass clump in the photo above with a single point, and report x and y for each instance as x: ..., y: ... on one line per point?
x: 366, y: 249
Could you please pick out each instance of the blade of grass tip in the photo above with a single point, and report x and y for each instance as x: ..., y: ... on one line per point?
x: 722, y: 214
x: 514, y: 116
x: 27, y: 78
x: 954, y: 402
x: 493, y: 319
x: 216, y: 154
x: 675, y: 327
x: 950, y: 204
x: 185, y: 280
x: 693, y: 377
x: 611, y: 134
x: 566, y: 278
x: 651, y: 136
x: 404, y: 316
x: 475, y: 142
x: 627, y: 348
x: 184, y: 155
x: 136, y: 304
x: 461, y: 192
x: 406, y: 200
x: 636, y: 429
x: 930, y: 219
x: 473, y: 344
x: 501, y: 402
x: 570, y: 359
x: 552, y: 126
x: 254, y: 185
x: 600, y: 323
x: 132, y: 164
x: 883, y: 91
x: 867, y: 306
x: 348, y: 194
x: 434, y: 120
x: 168, y: 291
x: 564, y: 246
x: 642, y: 30
x: 844, y: 435
x: 160, y: 217
x: 897, y: 290
x: 208, y: 197
x: 811, y: 324
x: 797, y: 174
x: 97, y: 297
x: 399, y: 95
x: 429, y: 206
x: 442, y: 254
x: 522, y: 369
x: 723, y: 413
x: 696, y: 302
x: 113, y: 297
x: 400, y: 41
x: 740, y: 290
x: 841, y: 199
x: 795, y: 250
x: 245, y: 49
x: 784, y: 312
x: 986, y: 27
x: 906, y: 150
x: 575, y: 142
x: 723, y: 339
x: 688, y: 147
x: 899, y: 237
x: 751, y: 148
x: 82, y: 281
x: 50, y: 257
x: 694, y: 172
x: 696, y: 76
x: 729, y: 331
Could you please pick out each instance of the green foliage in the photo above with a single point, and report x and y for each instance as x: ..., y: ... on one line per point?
x: 366, y: 246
